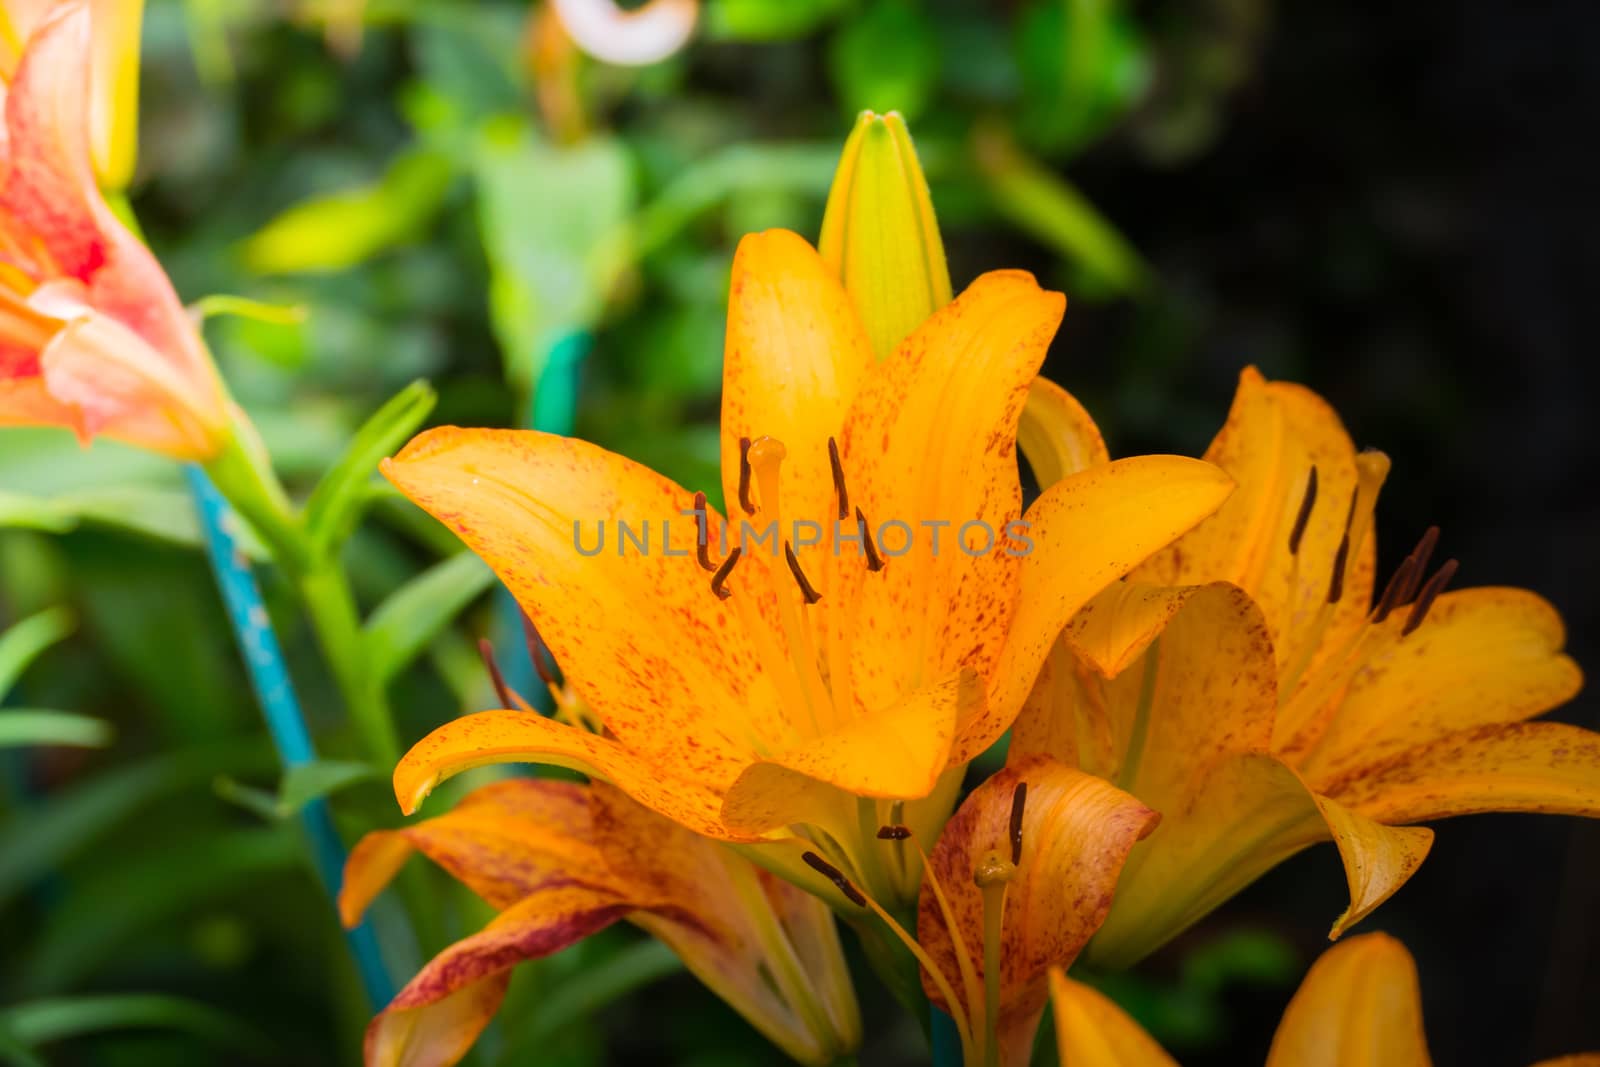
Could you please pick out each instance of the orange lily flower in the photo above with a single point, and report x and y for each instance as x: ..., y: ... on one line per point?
x: 1250, y: 685
x: 92, y: 336
x: 1020, y: 879
x: 561, y: 861
x: 1359, y: 1004
x: 813, y: 664
x: 113, y: 75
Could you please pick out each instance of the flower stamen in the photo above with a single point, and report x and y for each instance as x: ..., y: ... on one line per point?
x: 874, y: 561
x: 744, y: 477
x: 807, y: 590
x: 1307, y: 502
x: 721, y: 576
x: 1430, y: 592
x: 838, y: 479
x: 702, y: 534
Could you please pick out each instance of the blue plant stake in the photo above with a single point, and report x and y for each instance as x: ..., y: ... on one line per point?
x: 274, y: 690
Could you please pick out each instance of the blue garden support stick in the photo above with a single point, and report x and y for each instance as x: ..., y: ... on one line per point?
x: 269, y: 678
x: 553, y: 409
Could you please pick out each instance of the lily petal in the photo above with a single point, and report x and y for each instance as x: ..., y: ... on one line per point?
x: 1359, y: 1004
x: 793, y: 361
x: 1087, y: 531
x: 1250, y: 814
x: 515, y: 736
x: 504, y: 841
x: 645, y: 641
x: 1091, y: 1031
x: 932, y: 439
x: 1056, y: 434
x: 1275, y: 433
x: 1545, y: 767
x: 1484, y: 656
x: 1077, y: 831
x: 48, y: 195
x: 896, y: 754
x: 435, y: 1019
x: 1115, y: 628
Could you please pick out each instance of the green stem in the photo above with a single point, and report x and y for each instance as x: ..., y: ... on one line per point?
x: 334, y: 616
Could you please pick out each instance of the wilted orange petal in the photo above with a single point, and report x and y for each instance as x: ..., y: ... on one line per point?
x: 505, y: 841
x: 899, y: 753
x: 1087, y: 531
x: 1490, y: 655
x: 517, y: 737
x: 794, y: 358
x: 1056, y: 434
x: 931, y: 439
x: 1077, y: 830
x: 1091, y: 1031
x: 647, y: 645
x: 1359, y: 1004
x: 438, y: 1015
x: 1545, y: 767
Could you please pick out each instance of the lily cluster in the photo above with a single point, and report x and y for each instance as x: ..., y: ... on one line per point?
x: 1197, y: 666
x: 1199, y: 670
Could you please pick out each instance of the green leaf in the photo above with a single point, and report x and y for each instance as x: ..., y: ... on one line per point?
x: 404, y: 624
x: 22, y: 512
x: 311, y: 781
x: 56, y: 827
x: 160, y: 513
x: 31, y: 726
x: 24, y: 642
x: 764, y: 20
x: 97, y: 916
x: 1044, y: 204
x: 340, y: 230
x: 886, y: 60
x: 550, y: 219
x: 39, y: 1022
x: 251, y: 798
x: 336, y: 504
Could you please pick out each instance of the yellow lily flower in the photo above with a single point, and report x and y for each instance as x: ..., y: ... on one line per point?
x: 1248, y: 684
x: 1359, y: 1004
x: 561, y: 861
x: 113, y: 75
x: 813, y: 665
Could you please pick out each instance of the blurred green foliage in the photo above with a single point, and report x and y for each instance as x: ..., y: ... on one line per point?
x: 367, y: 194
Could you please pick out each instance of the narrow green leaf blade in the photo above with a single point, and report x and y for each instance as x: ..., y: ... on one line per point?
x: 418, y: 611
x: 33, y: 726
x: 336, y: 503
x: 38, y: 1022
x: 24, y: 642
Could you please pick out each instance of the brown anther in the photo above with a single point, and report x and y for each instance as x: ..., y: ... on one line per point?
x: 1421, y: 554
x: 702, y: 533
x: 1341, y: 558
x: 807, y: 590
x: 838, y: 479
x: 536, y: 651
x: 1391, y: 592
x: 834, y: 875
x: 717, y: 579
x: 501, y: 691
x: 893, y: 833
x: 1019, y: 801
x: 874, y: 561
x: 1430, y: 592
x: 744, y: 477
x: 1304, y: 515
